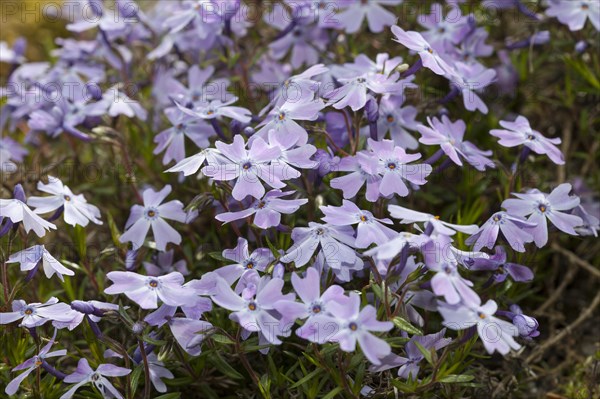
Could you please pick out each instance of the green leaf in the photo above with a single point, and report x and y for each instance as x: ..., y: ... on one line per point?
x: 135, y: 378
x: 225, y: 367
x: 222, y: 339
x: 405, y: 325
x: 333, y: 393
x: 425, y: 352
x: 456, y: 378
x: 218, y: 256
x: 174, y: 395
x: 307, y: 378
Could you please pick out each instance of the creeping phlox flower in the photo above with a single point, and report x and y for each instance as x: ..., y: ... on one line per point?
x: 527, y: 325
x: 164, y: 264
x: 467, y: 79
x: 157, y: 369
x: 84, y: 374
x: 449, y: 136
x: 216, y: 109
x: 355, y: 12
x: 153, y: 214
x: 17, y: 211
x: 520, y: 132
x: 447, y: 282
x: 363, y: 169
x: 497, y: 263
x: 118, y: 103
x: 399, y: 120
x: 281, y: 121
x: 254, y: 309
x: 248, y: 167
x: 496, y: 334
x: 146, y: 290
x: 267, y: 210
x: 334, y: 245
x: 441, y: 31
x: 75, y: 207
x: 540, y: 206
x: 407, y: 216
x: 35, y: 314
x: 313, y: 302
x: 32, y: 364
x: 192, y: 164
x: 516, y: 232
x: 90, y: 310
x: 258, y: 260
x: 429, y: 56
x: 409, y: 366
x: 395, y: 169
x: 172, y: 140
x: 30, y: 259
x: 575, y: 13
x: 370, y: 229
x: 349, y: 324
x: 360, y: 77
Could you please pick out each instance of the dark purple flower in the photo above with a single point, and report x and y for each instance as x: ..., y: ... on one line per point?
x: 497, y: 263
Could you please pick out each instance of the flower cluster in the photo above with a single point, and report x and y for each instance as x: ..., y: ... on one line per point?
x: 319, y: 261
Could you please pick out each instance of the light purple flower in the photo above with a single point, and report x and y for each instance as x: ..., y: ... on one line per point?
x: 398, y: 120
x: 364, y: 168
x: 395, y: 168
x: 449, y: 136
x: 447, y: 282
x: 496, y: 334
x: 267, y: 210
x: 254, y: 309
x: 541, y: 206
x: 31, y: 257
x: 520, y: 132
x: 370, y: 229
x: 153, y: 214
x: 173, y: 139
x: 281, y: 121
x: 146, y: 290
x: 352, y: 324
x: 76, y: 209
x: 515, y: 231
x: 163, y: 264
x: 527, y: 325
x: 215, y: 109
x: 17, y: 211
x: 35, y: 314
x: 497, y: 263
x: 313, y: 302
x: 440, y: 30
x: 470, y: 78
x: 377, y: 17
x: 304, y: 40
x: 258, y: 260
x: 94, y: 310
x: 408, y: 216
x: 189, y: 333
x: 574, y: 13
x: 192, y: 164
x: 429, y: 57
x: 84, y: 374
x: 334, y: 244
x: 118, y: 103
x: 32, y: 364
x: 409, y: 366
x: 248, y: 167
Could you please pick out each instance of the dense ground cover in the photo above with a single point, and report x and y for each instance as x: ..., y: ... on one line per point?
x: 301, y: 249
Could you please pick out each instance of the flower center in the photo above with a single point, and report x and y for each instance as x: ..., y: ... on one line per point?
x: 247, y: 165
x: 481, y: 315
x: 390, y: 118
x: 250, y: 265
x: 392, y: 165
x: 38, y: 361
x: 429, y: 50
x: 497, y: 218
x: 153, y: 283
x: 95, y: 377
x: 210, y: 112
x: 530, y: 137
x: 261, y: 204
x: 316, y: 309
x: 28, y: 311
x: 542, y: 207
x: 281, y: 116
x: 67, y: 198
x: 363, y: 218
x: 151, y: 213
x: 252, y: 306
x: 361, y: 80
x: 584, y: 6
x: 353, y: 326
x: 320, y: 231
